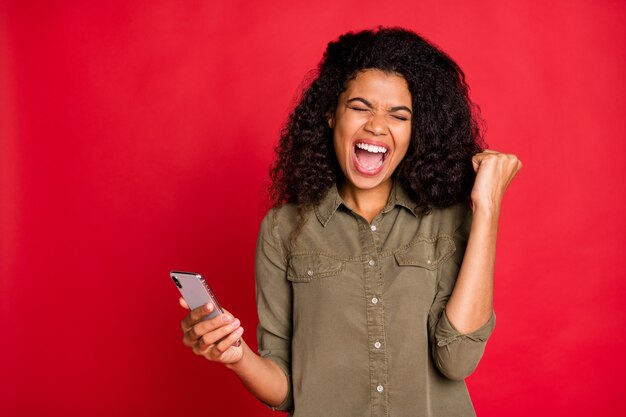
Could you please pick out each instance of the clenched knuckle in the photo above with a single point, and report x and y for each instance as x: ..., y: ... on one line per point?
x: 187, y: 340
x: 183, y: 324
x: 193, y: 332
x: 193, y: 316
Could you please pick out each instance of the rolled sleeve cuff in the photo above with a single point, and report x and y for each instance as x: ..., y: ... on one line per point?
x: 446, y: 333
x: 287, y: 403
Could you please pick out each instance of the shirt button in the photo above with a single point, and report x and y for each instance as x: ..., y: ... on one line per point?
x: 372, y: 262
x: 377, y: 345
x: 374, y: 300
x: 379, y: 388
x: 373, y: 227
x: 309, y: 273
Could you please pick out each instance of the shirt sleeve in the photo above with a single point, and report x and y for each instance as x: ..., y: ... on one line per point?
x: 274, y: 304
x: 455, y: 354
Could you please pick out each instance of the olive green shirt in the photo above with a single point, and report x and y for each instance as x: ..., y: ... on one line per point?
x: 354, y: 312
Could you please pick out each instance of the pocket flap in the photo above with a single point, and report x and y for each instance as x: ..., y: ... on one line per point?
x: 304, y: 268
x: 425, y: 252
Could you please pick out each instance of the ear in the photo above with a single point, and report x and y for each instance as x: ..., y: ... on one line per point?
x: 331, y: 120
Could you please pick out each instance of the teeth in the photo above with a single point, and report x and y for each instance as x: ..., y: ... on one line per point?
x: 371, y: 148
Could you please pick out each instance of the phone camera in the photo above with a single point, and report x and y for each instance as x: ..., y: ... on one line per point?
x: 177, y: 282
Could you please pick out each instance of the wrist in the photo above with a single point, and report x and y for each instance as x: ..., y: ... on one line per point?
x: 488, y: 209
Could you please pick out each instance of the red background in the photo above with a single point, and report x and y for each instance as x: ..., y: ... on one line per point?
x: 136, y: 137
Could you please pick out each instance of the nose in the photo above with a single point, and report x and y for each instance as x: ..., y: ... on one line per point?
x: 376, y: 125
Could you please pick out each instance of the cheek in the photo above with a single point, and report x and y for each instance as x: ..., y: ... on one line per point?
x: 340, y: 147
x: 403, y: 141
x: 342, y: 138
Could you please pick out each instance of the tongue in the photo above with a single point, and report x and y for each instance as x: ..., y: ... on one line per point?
x: 368, y: 160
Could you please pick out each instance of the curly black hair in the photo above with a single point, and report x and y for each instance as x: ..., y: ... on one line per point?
x: 445, y: 131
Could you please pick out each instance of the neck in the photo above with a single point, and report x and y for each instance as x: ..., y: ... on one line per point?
x: 366, y: 203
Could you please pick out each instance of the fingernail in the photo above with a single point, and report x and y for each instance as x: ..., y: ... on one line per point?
x: 235, y: 323
x: 208, y: 307
x: 225, y: 318
x: 239, y: 331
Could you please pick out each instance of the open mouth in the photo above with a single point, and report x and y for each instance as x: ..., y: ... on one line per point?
x: 369, y: 158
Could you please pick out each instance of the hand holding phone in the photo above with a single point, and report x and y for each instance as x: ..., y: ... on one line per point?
x: 206, y: 330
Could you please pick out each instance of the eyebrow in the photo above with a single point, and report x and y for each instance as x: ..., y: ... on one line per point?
x: 368, y: 104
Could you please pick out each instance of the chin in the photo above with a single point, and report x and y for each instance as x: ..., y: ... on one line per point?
x: 363, y: 182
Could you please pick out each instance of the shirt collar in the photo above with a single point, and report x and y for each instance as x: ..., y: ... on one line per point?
x: 332, y: 200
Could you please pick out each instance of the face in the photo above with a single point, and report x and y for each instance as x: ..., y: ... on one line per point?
x: 372, y: 128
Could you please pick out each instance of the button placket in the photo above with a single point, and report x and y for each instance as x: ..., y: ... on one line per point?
x: 373, y: 286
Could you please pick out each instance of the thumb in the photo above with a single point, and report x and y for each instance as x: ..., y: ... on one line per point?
x: 476, y: 161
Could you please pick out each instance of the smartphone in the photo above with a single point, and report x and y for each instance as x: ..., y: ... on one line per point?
x: 196, y: 293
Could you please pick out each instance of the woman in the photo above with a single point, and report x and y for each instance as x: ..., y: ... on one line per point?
x: 375, y: 267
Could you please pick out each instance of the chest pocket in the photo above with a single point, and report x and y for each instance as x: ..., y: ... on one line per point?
x: 304, y: 268
x: 425, y: 252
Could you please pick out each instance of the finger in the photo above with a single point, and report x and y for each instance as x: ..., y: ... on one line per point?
x: 480, y: 157
x: 486, y: 152
x: 208, y: 325
x: 222, y: 324
x: 213, y: 337
x: 192, y: 334
x: 196, y: 315
x: 228, y: 342
x: 476, y: 161
x: 183, y: 303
